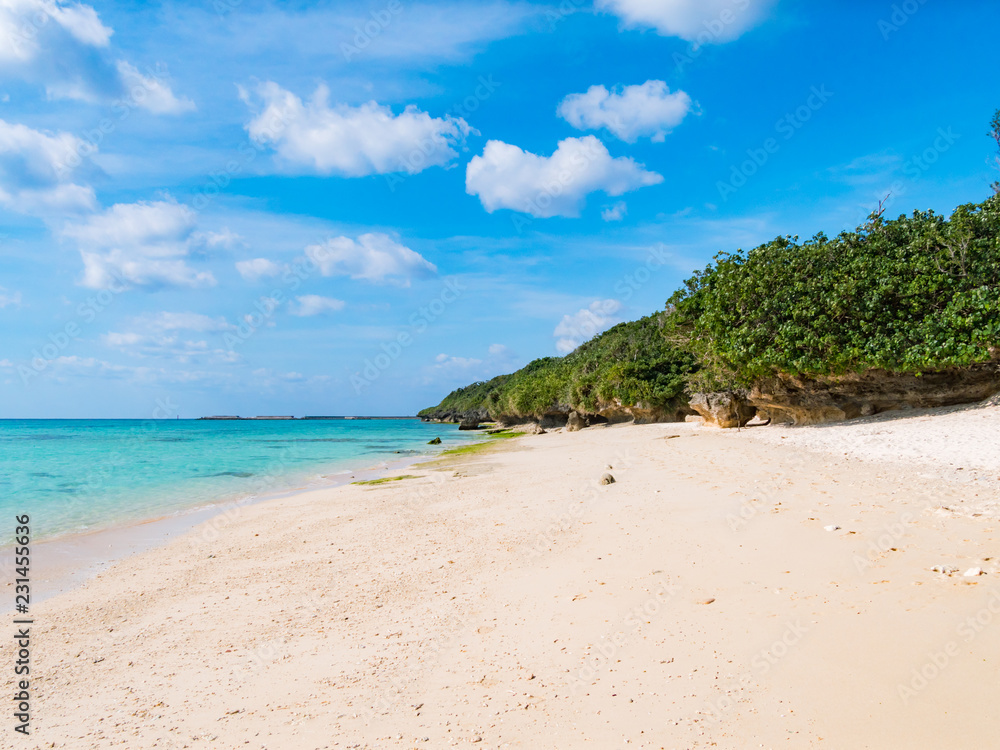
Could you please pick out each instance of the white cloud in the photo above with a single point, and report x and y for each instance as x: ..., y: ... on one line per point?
x: 446, y: 360
x: 614, y: 213
x: 120, y: 340
x: 158, y: 336
x: 648, y: 110
x: 699, y: 21
x: 150, y: 92
x: 313, y: 304
x: 350, y: 141
x: 267, y: 378
x: 13, y: 299
x: 139, y: 244
x: 558, y: 185
x: 448, y: 367
x: 26, y: 24
x: 372, y: 257
x: 258, y: 268
x: 226, y: 238
x: 586, y: 323
x: 34, y: 176
x: 182, y: 321
x: 65, y: 47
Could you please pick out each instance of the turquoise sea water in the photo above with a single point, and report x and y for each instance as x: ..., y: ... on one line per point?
x: 76, y: 475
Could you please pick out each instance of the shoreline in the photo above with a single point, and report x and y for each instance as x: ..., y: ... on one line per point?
x: 69, y: 559
x: 723, y: 587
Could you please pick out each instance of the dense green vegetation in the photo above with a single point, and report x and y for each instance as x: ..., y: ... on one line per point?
x: 632, y: 363
x: 995, y: 135
x: 914, y: 294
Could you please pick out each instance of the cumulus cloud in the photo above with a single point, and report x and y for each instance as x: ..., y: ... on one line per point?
x: 168, y: 334
x: 507, y: 177
x: 65, y: 47
x: 614, y: 213
x: 258, y: 268
x: 372, y: 257
x: 25, y: 26
x: 151, y: 92
x: 316, y: 137
x: 182, y: 321
x: 172, y: 347
x: 699, y: 21
x: 463, y: 369
x: 12, y: 299
x: 313, y: 304
x: 34, y: 177
x: 632, y: 112
x: 586, y: 323
x: 143, y: 244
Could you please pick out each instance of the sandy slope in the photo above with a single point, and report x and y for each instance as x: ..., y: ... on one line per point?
x: 508, y: 601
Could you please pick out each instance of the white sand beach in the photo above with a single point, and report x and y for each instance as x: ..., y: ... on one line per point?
x: 769, y: 587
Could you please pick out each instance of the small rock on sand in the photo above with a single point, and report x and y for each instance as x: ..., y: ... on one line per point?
x: 607, y: 479
x: 945, y: 569
x: 831, y: 527
x: 973, y: 572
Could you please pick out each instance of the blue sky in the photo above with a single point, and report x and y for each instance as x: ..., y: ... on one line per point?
x: 230, y: 207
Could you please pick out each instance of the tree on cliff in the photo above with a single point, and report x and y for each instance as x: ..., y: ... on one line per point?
x: 995, y: 135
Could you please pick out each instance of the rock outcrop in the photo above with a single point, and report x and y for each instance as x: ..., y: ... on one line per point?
x: 724, y: 409
x: 799, y: 400
x: 783, y: 399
